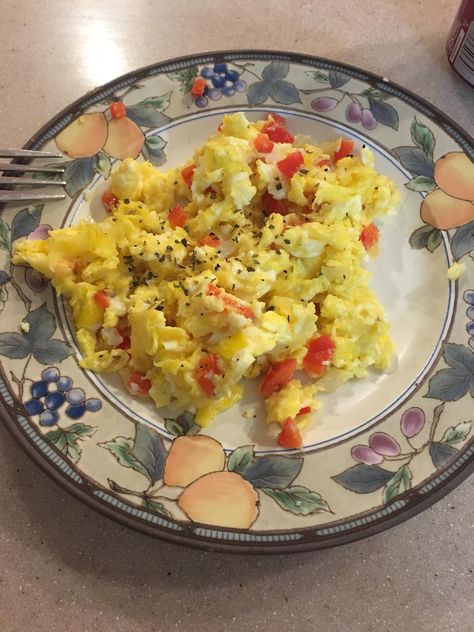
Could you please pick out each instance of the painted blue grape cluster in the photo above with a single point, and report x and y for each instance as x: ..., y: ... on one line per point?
x: 221, y: 81
x: 50, y: 393
x: 469, y: 298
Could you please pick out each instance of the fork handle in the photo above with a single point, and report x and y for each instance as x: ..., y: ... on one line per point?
x: 20, y: 195
x: 6, y: 152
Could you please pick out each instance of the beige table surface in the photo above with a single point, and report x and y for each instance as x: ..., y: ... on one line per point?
x: 64, y: 567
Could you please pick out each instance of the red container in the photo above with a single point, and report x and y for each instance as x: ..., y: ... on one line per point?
x: 460, y: 45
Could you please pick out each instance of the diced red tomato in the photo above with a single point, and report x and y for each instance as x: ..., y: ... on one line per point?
x: 346, y: 147
x: 118, y: 109
x: 290, y: 165
x: 138, y: 384
x: 319, y: 354
x: 263, y: 144
x: 199, y: 86
x: 102, y: 299
x: 290, y: 436
x: 270, y: 205
x: 369, y: 236
x: 278, y: 119
x: 322, y: 163
x: 213, y: 290
x: 125, y: 344
x: 109, y: 200
x: 277, y: 133
x: 210, y: 240
x: 234, y: 305
x: 177, y: 217
x: 205, y: 372
x: 278, y: 375
x: 231, y: 302
x: 188, y: 173
x: 124, y: 331
x: 305, y: 410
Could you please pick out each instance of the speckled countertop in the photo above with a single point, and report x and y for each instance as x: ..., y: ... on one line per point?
x: 64, y: 567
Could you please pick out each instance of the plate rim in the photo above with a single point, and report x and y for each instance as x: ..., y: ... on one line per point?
x: 416, y: 504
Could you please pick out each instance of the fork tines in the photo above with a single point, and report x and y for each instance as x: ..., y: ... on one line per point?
x: 14, y: 195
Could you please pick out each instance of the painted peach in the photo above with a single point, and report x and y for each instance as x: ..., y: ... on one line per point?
x: 443, y: 211
x: 124, y: 138
x: 84, y: 137
x: 192, y: 457
x: 454, y: 173
x: 223, y: 499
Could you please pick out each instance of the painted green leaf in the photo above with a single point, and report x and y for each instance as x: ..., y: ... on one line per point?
x: 434, y: 240
x: 375, y: 93
x: 42, y: 324
x: 59, y: 438
x: 275, y: 71
x: 80, y: 429
x: 185, y: 78
x: 148, y: 113
x: 421, y: 183
x: 156, y: 142
x: 441, y: 453
x: 317, y: 75
x: 363, y: 479
x: 419, y: 237
x: 3, y: 297
x: 422, y: 137
x: 149, y: 450
x: 337, y: 79
x: 240, y: 459
x: 384, y: 113
x: 152, y: 150
x: 276, y: 472
x: 37, y: 340
x: 51, y: 351
x: 173, y: 426
x: 66, y: 439
x: 78, y: 174
x: 257, y: 93
x: 283, y: 92
x: 25, y: 221
x: 14, y: 345
x: 415, y: 161
x: 463, y: 241
x: 121, y: 448
x: 298, y: 500
x: 102, y: 164
x: 4, y: 235
x: 183, y: 425
x: 399, y: 483
x: 451, y: 384
x: 4, y: 277
x: 156, y: 506
x: 456, y: 434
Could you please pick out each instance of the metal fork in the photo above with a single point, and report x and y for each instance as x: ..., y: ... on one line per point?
x: 14, y: 195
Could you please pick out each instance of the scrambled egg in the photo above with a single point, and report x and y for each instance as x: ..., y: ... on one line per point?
x: 225, y: 267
